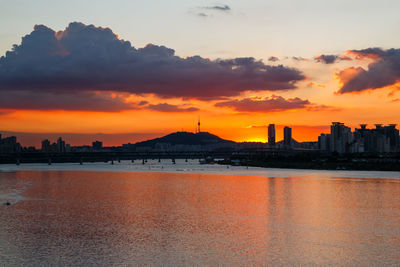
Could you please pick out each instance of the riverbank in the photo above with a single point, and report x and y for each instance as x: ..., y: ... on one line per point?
x: 374, y: 164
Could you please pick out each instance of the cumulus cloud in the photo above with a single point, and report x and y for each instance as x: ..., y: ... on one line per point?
x: 268, y: 104
x: 165, y: 107
x: 83, y: 59
x: 371, y: 53
x: 330, y: 59
x: 383, y: 71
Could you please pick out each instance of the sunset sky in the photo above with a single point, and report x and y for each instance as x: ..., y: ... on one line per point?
x: 125, y: 71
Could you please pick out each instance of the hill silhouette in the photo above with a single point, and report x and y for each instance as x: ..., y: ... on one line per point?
x: 186, y: 138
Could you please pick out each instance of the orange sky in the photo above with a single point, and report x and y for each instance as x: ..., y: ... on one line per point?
x: 371, y: 107
x: 239, y: 115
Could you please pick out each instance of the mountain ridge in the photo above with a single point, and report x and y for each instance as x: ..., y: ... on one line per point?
x: 186, y: 138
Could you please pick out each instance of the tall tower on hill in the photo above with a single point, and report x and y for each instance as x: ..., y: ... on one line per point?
x: 198, y: 125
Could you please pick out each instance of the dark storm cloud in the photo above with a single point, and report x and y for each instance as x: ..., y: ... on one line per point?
x: 383, y: 71
x: 83, y: 59
x: 330, y: 59
x: 224, y: 8
x: 165, y: 107
x: 271, y: 104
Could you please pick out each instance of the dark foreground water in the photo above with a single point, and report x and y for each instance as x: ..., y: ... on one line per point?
x: 152, y: 218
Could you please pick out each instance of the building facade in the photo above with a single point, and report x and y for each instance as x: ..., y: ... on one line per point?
x: 271, y: 134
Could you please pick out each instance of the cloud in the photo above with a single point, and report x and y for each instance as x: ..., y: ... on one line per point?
x: 327, y: 59
x: 165, y: 107
x: 142, y: 103
x: 330, y: 59
x: 84, y: 59
x: 300, y: 59
x: 273, y: 59
x: 269, y: 104
x: 316, y: 107
x: 382, y: 72
x: 313, y: 84
x: 312, y: 127
x: 368, y: 53
x: 201, y: 14
x: 5, y: 112
x: 224, y: 8
x: 84, y: 101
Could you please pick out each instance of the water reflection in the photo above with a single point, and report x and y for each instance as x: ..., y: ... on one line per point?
x: 149, y: 218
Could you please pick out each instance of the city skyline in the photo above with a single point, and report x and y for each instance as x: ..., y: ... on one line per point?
x: 350, y: 141
x: 83, y: 75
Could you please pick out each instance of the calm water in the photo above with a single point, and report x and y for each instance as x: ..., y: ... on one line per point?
x: 79, y: 216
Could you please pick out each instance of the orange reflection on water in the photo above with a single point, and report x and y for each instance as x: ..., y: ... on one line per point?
x: 190, y: 219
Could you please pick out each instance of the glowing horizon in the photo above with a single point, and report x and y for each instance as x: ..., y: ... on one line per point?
x: 79, y: 79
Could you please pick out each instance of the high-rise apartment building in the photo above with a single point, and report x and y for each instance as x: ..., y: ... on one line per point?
x: 287, y: 136
x: 271, y: 134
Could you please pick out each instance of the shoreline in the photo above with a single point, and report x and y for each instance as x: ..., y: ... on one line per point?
x: 211, y: 169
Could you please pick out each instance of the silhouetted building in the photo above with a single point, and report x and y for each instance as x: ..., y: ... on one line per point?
x: 60, y: 145
x: 393, y: 134
x: 97, y: 145
x: 287, y: 136
x: 324, y: 142
x: 271, y: 134
x: 45, y: 145
x: 382, y: 139
x: 9, y: 145
x: 341, y: 137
